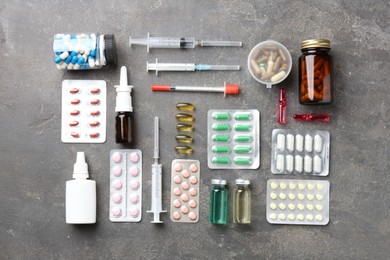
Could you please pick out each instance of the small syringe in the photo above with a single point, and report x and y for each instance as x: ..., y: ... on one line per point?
x: 187, y: 67
x: 227, y: 89
x: 156, y: 179
x: 179, y: 42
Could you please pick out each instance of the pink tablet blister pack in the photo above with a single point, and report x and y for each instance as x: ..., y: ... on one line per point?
x: 185, y: 178
x: 83, y: 111
x: 125, y: 185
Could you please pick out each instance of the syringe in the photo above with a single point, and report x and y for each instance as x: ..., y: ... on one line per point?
x: 187, y: 67
x: 156, y: 178
x: 179, y: 42
x: 227, y: 89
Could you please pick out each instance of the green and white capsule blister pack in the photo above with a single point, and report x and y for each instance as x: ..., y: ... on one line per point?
x: 298, y: 202
x: 233, y: 139
x: 300, y: 152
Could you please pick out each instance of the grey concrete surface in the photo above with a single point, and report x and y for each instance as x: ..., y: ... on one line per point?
x: 35, y: 164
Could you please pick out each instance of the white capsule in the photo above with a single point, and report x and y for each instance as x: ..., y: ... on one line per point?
x: 290, y: 142
x: 77, y: 48
x: 97, y: 63
x: 64, y: 55
x: 76, y: 66
x: 91, y: 63
x: 308, y: 163
x: 308, y: 143
x: 87, y: 51
x: 70, y: 66
x: 85, y: 57
x: 280, y: 162
x: 280, y: 142
x: 298, y: 163
x: 299, y: 143
x: 317, y: 164
x: 64, y: 65
x: 67, y: 37
x: 59, y: 66
x: 82, y: 36
x: 79, y: 56
x: 318, y: 143
x: 289, y: 163
x: 82, y: 50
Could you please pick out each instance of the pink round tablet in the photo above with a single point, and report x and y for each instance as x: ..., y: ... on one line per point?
x: 184, y: 209
x: 117, y: 171
x: 116, y: 212
x: 177, y: 191
x: 193, y: 192
x: 134, y: 213
x: 134, y: 199
x: 185, y: 185
x: 193, y: 204
x: 185, y: 174
x: 192, y: 215
x: 117, y: 185
x: 184, y: 197
x: 134, y: 185
x: 193, y: 168
x: 117, y: 198
x: 134, y: 171
x: 177, y: 179
x: 178, y: 167
x: 176, y: 203
x: 176, y: 215
x: 193, y: 180
x: 134, y: 157
x: 116, y: 157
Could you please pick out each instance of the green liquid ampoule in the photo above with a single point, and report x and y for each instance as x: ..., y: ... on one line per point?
x: 218, y: 202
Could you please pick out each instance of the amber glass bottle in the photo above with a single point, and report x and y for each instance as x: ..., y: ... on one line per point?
x: 315, y: 73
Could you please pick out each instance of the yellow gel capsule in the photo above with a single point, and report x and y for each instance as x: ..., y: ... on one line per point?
x: 185, y: 127
x: 184, y: 139
x: 185, y: 106
x: 184, y: 117
x: 183, y: 149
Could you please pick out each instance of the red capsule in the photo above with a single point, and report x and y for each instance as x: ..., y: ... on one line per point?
x: 74, y: 90
x: 94, y: 123
x: 95, y: 113
x: 75, y: 135
x: 73, y: 123
x: 75, y: 101
x: 95, y: 90
x: 74, y: 112
x: 94, y: 101
x: 94, y: 135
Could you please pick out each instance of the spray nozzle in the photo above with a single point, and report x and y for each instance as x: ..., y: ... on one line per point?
x: 123, y: 93
x: 80, y: 169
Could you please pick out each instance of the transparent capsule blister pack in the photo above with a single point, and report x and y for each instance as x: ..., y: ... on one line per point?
x: 233, y: 139
x: 83, y: 111
x: 298, y: 202
x: 185, y: 178
x: 125, y: 185
x: 300, y: 152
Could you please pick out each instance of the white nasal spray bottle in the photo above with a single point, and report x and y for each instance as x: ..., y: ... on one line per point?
x: 80, y: 195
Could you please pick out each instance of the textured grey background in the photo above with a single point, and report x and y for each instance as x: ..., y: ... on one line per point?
x: 35, y: 164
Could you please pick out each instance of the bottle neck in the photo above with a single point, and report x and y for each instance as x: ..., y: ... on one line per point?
x: 323, y: 51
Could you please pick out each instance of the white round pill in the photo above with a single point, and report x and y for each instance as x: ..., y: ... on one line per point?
x: 273, y: 185
x: 319, y: 196
x: 291, y: 216
x: 273, y: 195
x: 309, y: 217
x: 282, y: 196
x: 320, y: 187
x: 300, y: 206
x: 300, y: 196
x: 310, y: 186
x: 319, y: 217
x: 283, y: 185
x: 272, y: 205
x: 291, y: 206
x: 318, y: 207
x: 291, y: 186
x: 301, y: 186
x: 300, y: 217
x: 310, y: 196
x: 282, y: 216
x: 291, y: 196
x: 309, y: 206
x: 282, y: 206
x: 272, y: 216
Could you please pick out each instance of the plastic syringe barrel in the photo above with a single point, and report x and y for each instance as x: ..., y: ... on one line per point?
x: 216, y: 67
x: 220, y: 43
x: 169, y: 66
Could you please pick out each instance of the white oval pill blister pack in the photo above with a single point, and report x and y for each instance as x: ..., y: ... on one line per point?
x: 185, y: 178
x: 83, y: 111
x: 300, y: 152
x: 298, y: 202
x: 125, y: 185
x: 233, y: 139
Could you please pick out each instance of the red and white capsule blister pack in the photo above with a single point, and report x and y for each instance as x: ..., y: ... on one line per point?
x: 185, y: 178
x: 125, y: 185
x: 83, y: 111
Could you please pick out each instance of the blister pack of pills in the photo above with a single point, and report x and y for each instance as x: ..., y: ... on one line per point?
x: 185, y: 178
x: 83, y: 111
x: 298, y: 202
x: 233, y: 139
x: 125, y: 185
x: 300, y: 152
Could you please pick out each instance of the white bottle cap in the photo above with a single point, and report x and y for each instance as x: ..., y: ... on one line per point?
x: 123, y: 93
x: 80, y: 169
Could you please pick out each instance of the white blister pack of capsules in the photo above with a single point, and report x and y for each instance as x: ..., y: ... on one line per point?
x: 185, y: 178
x: 300, y: 152
x: 83, y: 111
x: 233, y: 139
x: 125, y: 185
x: 298, y: 202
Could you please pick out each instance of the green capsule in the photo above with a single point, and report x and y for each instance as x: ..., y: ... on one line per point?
x: 243, y: 128
x: 221, y: 160
x: 185, y: 106
x: 221, y: 127
x: 242, y: 149
x: 243, y: 138
x: 185, y: 127
x: 184, y: 117
x: 242, y: 160
x: 262, y: 64
x: 243, y: 116
x: 221, y: 138
x: 221, y: 116
x: 183, y: 149
x: 187, y: 139
x: 221, y: 149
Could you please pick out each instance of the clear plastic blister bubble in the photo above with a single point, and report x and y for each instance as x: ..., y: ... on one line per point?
x: 233, y: 139
x: 300, y: 152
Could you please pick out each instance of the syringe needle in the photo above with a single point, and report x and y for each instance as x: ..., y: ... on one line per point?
x: 220, y: 43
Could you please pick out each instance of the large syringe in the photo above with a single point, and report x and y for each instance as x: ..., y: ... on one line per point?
x: 156, y: 178
x: 179, y: 42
